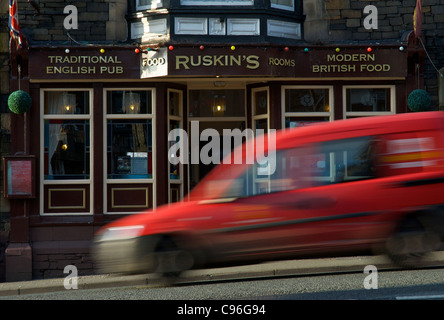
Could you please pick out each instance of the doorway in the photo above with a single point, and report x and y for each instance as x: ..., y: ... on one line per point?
x: 216, y: 109
x: 199, y: 171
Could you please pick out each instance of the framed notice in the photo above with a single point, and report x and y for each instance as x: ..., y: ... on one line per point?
x: 19, y: 177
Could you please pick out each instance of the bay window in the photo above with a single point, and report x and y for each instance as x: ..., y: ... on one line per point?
x: 66, y: 153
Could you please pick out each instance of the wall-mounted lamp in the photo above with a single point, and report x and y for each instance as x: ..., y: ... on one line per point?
x: 131, y: 102
x: 219, y: 105
x: 69, y: 103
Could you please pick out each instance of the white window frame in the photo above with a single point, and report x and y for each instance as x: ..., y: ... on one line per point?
x: 107, y: 117
x: 253, y: 104
x: 254, y: 118
x: 369, y: 113
x: 216, y: 3
x: 179, y: 118
x: 73, y: 182
x: 328, y: 114
x: 154, y: 5
x: 282, y: 7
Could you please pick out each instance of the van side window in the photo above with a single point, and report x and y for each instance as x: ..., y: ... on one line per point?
x: 303, y: 167
x: 346, y: 160
x: 290, y: 170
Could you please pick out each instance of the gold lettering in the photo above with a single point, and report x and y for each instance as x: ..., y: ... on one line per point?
x: 207, y: 61
x: 253, y: 62
x: 196, y: 63
x: 350, y: 57
x: 182, y: 61
x: 217, y: 60
x: 236, y: 61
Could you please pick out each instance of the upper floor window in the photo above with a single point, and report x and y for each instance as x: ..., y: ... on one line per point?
x: 283, y: 4
x: 66, y: 134
x: 217, y: 2
x: 148, y: 4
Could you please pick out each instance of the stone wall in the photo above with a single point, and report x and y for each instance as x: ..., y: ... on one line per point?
x: 4, y: 128
x: 340, y: 21
x: 98, y: 21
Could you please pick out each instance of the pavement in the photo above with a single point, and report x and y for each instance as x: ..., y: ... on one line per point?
x: 298, y: 267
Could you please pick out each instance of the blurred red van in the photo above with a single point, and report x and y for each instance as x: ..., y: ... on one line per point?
x: 338, y: 188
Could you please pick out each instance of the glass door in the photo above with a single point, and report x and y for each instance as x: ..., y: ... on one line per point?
x: 175, y: 121
x: 213, y: 114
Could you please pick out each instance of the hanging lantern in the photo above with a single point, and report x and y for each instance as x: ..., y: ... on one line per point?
x: 19, y: 102
x: 419, y: 100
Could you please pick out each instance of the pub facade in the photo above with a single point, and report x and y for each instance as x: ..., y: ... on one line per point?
x: 97, y: 133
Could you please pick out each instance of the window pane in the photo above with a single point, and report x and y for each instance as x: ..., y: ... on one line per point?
x: 67, y: 149
x: 214, y: 103
x: 174, y: 105
x: 349, y: 159
x: 129, y: 102
x: 296, y: 122
x: 292, y: 171
x: 129, y: 149
x: 368, y: 100
x: 174, y: 168
x: 216, y: 2
x: 307, y: 100
x: 261, y: 101
x: 287, y: 3
x: 261, y: 124
x: 66, y: 102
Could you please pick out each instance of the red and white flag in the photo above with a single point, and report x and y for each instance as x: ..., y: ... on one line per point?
x: 417, y: 19
x: 14, y: 26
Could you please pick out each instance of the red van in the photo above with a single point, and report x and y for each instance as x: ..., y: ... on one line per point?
x: 338, y: 188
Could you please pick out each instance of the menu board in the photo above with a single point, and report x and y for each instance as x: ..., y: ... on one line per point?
x: 19, y: 174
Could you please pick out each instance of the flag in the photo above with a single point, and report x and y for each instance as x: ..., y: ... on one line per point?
x: 14, y: 26
x: 417, y: 19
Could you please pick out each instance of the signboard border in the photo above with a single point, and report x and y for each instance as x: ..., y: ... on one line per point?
x: 6, y: 180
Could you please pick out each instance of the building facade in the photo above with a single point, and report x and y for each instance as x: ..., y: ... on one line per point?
x: 95, y: 143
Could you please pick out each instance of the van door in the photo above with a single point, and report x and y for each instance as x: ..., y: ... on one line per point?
x: 317, y: 198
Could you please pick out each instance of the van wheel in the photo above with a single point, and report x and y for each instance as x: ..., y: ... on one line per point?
x: 172, y: 260
x: 411, y: 243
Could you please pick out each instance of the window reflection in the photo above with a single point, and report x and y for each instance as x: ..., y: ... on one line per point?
x: 129, y: 149
x: 213, y: 103
x: 368, y: 100
x: 307, y: 100
x: 129, y: 102
x: 331, y: 162
x: 67, y: 149
x: 66, y: 102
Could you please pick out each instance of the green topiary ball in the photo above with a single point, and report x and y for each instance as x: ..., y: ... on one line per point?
x: 419, y: 100
x: 19, y: 102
